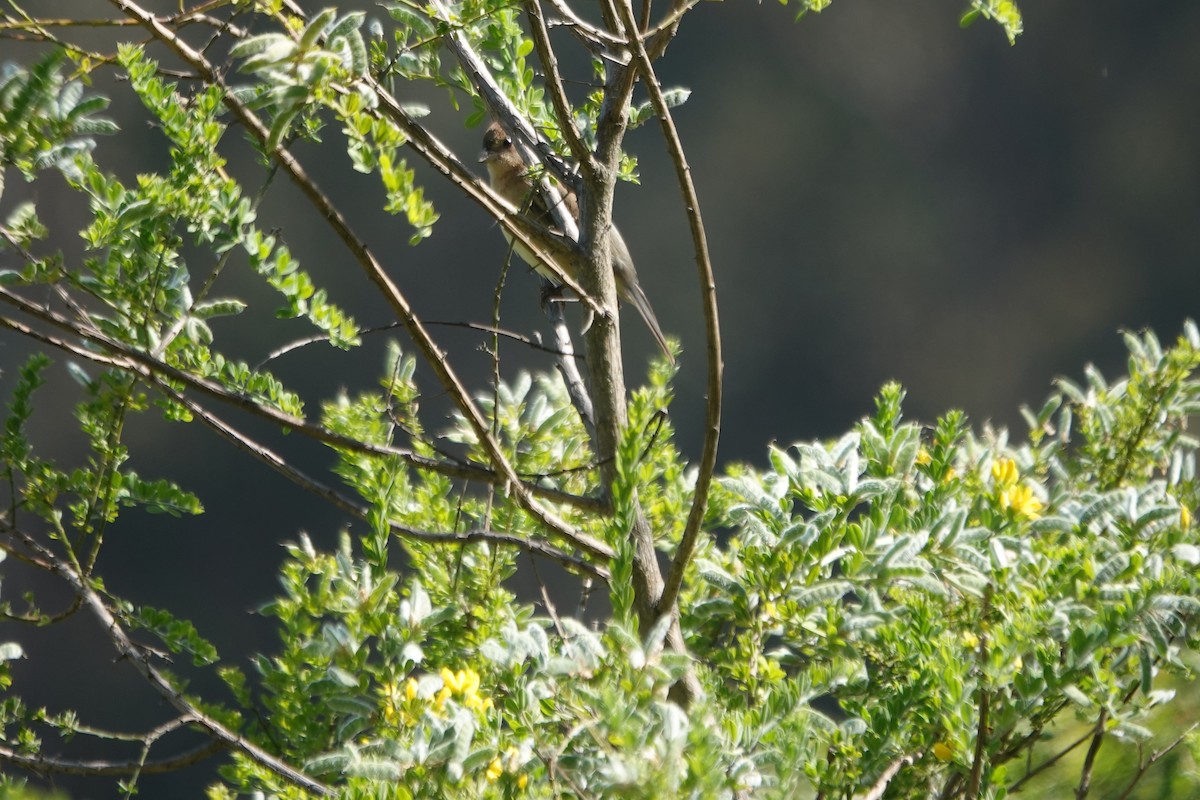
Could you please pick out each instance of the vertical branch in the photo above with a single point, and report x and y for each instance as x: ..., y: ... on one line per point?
x: 981, y: 730
x: 568, y: 369
x: 604, y: 356
x: 1089, y: 760
x: 605, y: 367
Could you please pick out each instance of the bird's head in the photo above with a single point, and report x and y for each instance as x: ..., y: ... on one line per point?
x: 499, y: 152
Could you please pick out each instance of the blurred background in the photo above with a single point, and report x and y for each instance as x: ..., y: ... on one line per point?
x: 886, y: 194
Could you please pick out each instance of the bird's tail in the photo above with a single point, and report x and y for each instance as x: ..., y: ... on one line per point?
x: 637, y: 298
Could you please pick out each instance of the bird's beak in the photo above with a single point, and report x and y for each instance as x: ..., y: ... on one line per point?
x: 484, y: 155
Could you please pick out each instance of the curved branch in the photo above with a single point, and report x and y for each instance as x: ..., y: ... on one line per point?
x: 554, y: 82
x: 712, y: 325
x: 583, y: 28
x: 44, y: 764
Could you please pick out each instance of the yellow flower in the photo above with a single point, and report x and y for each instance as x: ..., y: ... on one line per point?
x: 390, y: 692
x: 770, y: 611
x: 1185, y: 517
x: 465, y: 684
x: 522, y: 781
x: 942, y: 751
x: 476, y: 703
x: 469, y: 682
x: 923, y: 457
x: 410, y: 689
x: 452, y: 681
x: 495, y: 770
x: 970, y: 640
x: 1022, y: 502
x: 1004, y: 472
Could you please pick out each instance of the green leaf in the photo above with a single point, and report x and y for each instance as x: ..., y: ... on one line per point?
x: 316, y: 28
x: 348, y: 24
x: 276, y: 43
x: 218, y: 308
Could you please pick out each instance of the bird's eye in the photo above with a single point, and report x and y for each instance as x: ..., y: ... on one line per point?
x: 506, y: 143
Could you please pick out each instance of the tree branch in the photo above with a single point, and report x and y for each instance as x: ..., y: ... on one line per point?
x: 554, y: 82
x: 1154, y: 757
x: 881, y: 783
x: 712, y: 326
x: 43, y: 764
x: 1089, y: 760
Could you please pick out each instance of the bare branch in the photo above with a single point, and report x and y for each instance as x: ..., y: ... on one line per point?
x: 1154, y: 758
x: 585, y: 29
x: 504, y: 333
x: 1089, y: 760
x: 554, y: 82
x: 43, y: 764
x: 569, y: 370
x: 880, y: 786
x: 1048, y: 763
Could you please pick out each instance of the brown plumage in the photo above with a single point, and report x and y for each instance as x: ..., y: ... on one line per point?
x: 510, y: 179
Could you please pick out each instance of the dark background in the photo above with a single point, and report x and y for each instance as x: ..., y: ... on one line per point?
x: 887, y: 196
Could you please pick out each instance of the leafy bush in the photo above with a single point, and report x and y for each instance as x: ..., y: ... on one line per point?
x: 905, y: 611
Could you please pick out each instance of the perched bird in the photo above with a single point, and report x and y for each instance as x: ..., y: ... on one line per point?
x: 510, y: 179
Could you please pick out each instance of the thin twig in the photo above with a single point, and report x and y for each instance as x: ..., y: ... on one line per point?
x: 482, y: 327
x: 1048, y: 763
x: 1154, y: 757
x: 43, y: 764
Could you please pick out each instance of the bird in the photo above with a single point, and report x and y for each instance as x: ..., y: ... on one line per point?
x: 510, y: 178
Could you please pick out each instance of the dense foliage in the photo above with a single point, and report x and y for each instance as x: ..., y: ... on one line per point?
x: 906, y: 611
